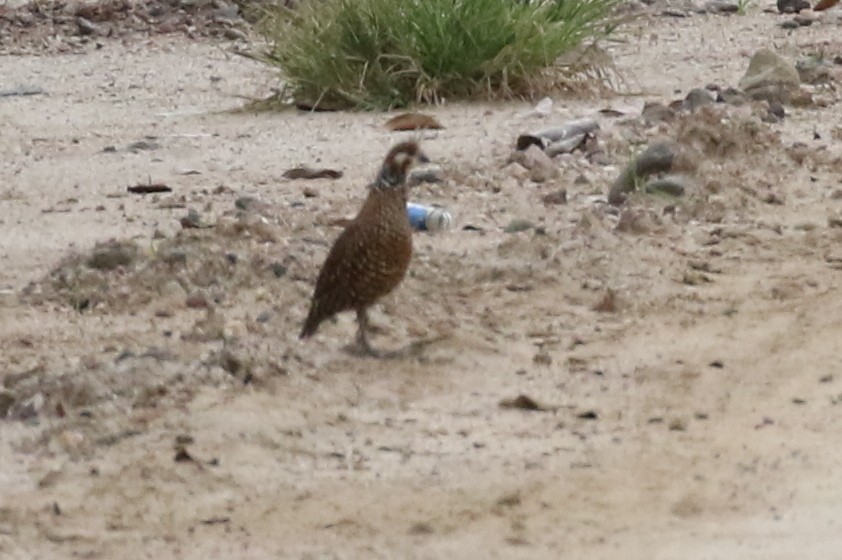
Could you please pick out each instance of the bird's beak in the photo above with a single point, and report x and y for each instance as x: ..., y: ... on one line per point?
x: 422, y: 158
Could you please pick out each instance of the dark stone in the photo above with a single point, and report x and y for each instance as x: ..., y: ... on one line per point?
x: 697, y: 97
x: 792, y: 6
x: 111, y: 255
x: 555, y: 197
x: 278, y: 270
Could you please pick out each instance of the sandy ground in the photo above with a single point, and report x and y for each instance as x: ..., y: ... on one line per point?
x: 695, y: 416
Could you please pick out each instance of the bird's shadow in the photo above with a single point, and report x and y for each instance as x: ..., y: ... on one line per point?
x: 414, y: 349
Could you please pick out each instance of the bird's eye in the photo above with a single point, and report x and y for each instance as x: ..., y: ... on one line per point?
x: 400, y: 159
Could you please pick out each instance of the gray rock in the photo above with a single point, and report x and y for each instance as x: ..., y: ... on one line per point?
x: 672, y: 185
x: 768, y: 70
x: 721, y: 7
x: 87, y: 27
x: 234, y: 34
x: 249, y: 204
x: 813, y: 70
x: 697, y: 97
x: 792, y: 6
x: 657, y: 158
x: 541, y: 167
x: 425, y: 175
x: 518, y: 224
x: 654, y: 113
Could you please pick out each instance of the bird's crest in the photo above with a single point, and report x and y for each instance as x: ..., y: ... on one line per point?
x: 400, y: 159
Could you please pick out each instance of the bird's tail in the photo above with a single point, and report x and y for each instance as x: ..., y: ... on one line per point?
x: 311, y: 325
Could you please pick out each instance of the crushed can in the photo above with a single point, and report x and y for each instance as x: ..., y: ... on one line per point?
x: 428, y: 218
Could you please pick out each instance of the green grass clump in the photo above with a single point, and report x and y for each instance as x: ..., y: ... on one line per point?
x: 742, y: 6
x: 377, y: 54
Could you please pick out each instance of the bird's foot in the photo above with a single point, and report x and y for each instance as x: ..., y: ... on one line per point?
x: 411, y: 350
x: 415, y: 348
x: 362, y: 347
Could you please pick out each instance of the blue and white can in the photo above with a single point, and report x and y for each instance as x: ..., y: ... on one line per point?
x: 428, y: 218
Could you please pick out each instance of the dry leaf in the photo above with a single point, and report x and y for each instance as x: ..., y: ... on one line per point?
x: 311, y: 173
x: 524, y: 402
x: 413, y: 121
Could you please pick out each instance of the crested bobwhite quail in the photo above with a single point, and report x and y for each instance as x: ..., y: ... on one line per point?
x: 371, y: 256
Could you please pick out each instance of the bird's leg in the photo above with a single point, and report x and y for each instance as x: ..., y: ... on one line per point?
x: 362, y: 334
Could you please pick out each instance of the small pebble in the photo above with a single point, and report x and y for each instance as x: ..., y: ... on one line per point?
x: 542, y: 359
x: 234, y: 34
x: 248, y: 203
x: 426, y: 175
x: 517, y: 225
x: 196, y: 301
x: 108, y: 256
x: 278, y: 270
x: 142, y: 145
x: 555, y: 197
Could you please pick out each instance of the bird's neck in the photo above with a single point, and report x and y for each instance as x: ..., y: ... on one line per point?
x: 383, y: 194
x: 386, y: 204
x: 390, y: 183
x: 389, y: 176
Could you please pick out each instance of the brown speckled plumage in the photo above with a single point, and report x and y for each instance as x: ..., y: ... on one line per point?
x: 371, y: 256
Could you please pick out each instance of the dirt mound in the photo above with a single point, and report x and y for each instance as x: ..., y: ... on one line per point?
x: 725, y: 132
x: 102, y: 388
x: 695, y: 164
x: 196, y: 267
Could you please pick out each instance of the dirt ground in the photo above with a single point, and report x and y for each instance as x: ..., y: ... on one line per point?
x: 685, y: 353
